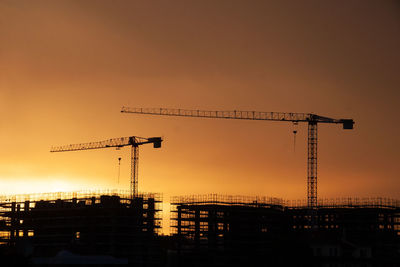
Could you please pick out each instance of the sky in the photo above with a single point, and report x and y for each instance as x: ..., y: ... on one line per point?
x: 67, y: 68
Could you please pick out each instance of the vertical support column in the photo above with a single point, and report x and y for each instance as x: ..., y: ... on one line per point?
x: 134, y: 170
x: 151, y: 211
x: 179, y: 221
x: 180, y: 237
x: 197, y: 226
x: 17, y: 220
x: 13, y: 222
x: 212, y: 228
x: 26, y: 215
x: 312, y: 165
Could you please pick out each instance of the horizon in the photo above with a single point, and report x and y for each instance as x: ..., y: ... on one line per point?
x: 68, y: 67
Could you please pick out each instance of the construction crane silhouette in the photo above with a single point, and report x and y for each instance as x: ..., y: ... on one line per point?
x: 311, y: 119
x: 133, y: 141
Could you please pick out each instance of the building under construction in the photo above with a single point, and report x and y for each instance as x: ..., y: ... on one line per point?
x: 208, y: 230
x: 219, y: 230
x: 85, y: 223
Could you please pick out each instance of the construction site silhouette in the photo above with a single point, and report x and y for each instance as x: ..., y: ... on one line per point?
x: 123, y: 227
x: 208, y: 230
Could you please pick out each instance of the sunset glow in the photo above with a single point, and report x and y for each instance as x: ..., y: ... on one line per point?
x: 200, y: 133
x: 67, y: 67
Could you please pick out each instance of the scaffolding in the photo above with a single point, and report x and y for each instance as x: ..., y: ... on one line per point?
x: 348, y: 202
x: 107, y: 222
x: 212, y: 216
x: 224, y: 227
x: 216, y: 228
x: 124, y: 194
x: 227, y: 200
x: 187, y: 210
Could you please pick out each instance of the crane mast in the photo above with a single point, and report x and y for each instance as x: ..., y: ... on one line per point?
x: 311, y: 119
x: 133, y: 141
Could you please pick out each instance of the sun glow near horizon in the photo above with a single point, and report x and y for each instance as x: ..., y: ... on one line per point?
x: 13, y: 185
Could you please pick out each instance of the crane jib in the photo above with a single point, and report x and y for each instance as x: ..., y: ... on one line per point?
x: 241, y: 115
x: 311, y: 119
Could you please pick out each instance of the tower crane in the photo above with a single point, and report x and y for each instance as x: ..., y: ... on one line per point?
x: 311, y: 119
x: 133, y: 141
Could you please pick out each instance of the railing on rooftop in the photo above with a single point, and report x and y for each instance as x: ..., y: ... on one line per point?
x: 227, y: 200
x: 345, y: 202
x: 124, y: 194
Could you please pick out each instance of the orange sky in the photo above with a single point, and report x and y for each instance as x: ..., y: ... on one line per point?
x: 67, y: 67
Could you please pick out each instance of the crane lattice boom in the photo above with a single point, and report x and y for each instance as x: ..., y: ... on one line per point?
x: 237, y: 114
x: 114, y: 142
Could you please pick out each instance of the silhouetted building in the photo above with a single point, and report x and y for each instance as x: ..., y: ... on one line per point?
x: 223, y: 230
x: 208, y: 230
x: 113, y: 225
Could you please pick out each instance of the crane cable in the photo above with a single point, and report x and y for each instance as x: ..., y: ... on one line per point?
x: 295, y: 124
x: 119, y: 168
